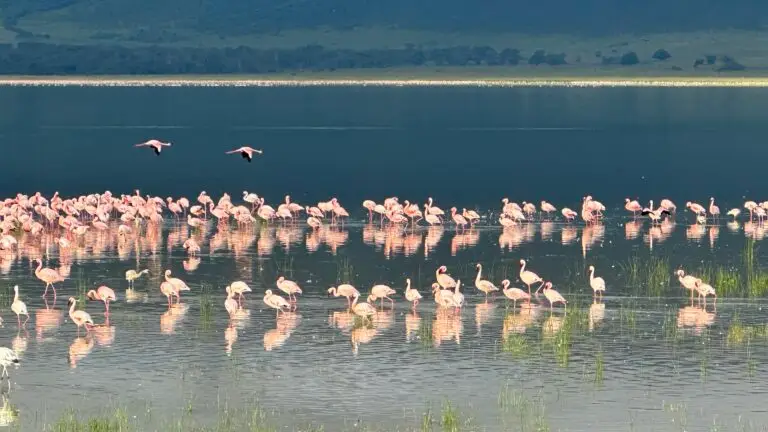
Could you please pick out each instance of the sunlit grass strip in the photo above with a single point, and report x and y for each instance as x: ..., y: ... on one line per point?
x: 647, y: 277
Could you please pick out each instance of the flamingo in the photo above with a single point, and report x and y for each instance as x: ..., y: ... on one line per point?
x: 411, y: 294
x: 246, y: 152
x: 632, y: 206
x: 178, y: 284
x: 687, y: 281
x: 79, y: 317
x: 230, y: 304
x: 696, y: 208
x: 369, y: 205
x: 528, y: 277
x: 568, y: 214
x: 289, y: 287
x: 597, y: 283
x: 458, y: 219
x: 513, y: 294
x: 668, y: 205
x: 553, y: 296
x: 7, y: 358
x: 239, y: 288
x: 132, y: 275
x: 275, y: 302
x: 713, y: 209
x: 458, y: 297
x: 103, y: 293
x: 445, y: 281
x: 382, y: 292
x: 47, y: 275
x: 168, y: 290
x: 443, y: 297
x: 435, y: 211
x: 345, y: 290
x: 547, y: 208
x: 703, y: 290
x: 363, y: 310
x: 156, y: 145
x: 482, y: 284
x: 734, y: 213
x: 18, y: 306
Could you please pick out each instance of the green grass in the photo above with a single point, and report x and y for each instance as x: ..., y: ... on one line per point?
x: 647, y: 277
x: 116, y: 421
x: 516, y: 345
x: 206, y: 307
x: 740, y: 334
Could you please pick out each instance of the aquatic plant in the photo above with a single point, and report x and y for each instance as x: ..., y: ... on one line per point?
x: 449, y: 418
x: 648, y: 278
x: 345, y: 271
x: 516, y: 345
x: 115, y: 421
x: 599, y: 366
x: 740, y: 334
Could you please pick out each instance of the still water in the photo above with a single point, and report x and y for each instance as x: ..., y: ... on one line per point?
x: 642, y: 359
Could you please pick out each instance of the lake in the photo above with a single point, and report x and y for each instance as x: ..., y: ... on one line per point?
x: 642, y: 358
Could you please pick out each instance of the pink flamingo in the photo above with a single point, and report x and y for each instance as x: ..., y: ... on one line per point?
x: 47, y: 275
x: 246, y: 152
x: 632, y: 206
x: 568, y: 214
x: 156, y: 145
x: 369, y: 205
x: 713, y: 209
x: 104, y: 294
x: 458, y: 219
x: 79, y: 317
x: 553, y: 296
x: 528, y: 277
x: 513, y: 294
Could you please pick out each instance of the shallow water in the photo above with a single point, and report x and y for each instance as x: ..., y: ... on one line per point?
x: 642, y: 359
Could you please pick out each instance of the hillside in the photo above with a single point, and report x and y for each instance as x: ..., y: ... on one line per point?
x: 217, y: 21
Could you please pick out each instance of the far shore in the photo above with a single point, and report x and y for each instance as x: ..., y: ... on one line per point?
x: 519, y: 76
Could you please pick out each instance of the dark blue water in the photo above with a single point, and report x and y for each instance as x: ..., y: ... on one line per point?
x: 474, y: 145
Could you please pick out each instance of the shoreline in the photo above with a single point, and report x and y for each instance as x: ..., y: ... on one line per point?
x: 674, y: 82
x: 411, y: 77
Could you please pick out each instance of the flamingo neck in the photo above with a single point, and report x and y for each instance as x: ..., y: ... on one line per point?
x: 479, y: 271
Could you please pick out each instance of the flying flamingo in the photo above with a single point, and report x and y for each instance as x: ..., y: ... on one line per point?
x: 411, y: 294
x: 597, y: 283
x: 553, y: 296
x: 482, y: 284
x: 528, y: 277
x: 47, y: 275
x: 18, y: 306
x: 103, y: 293
x: 156, y: 145
x: 345, y: 290
x: 79, y: 317
x: 246, y: 152
x: 514, y: 294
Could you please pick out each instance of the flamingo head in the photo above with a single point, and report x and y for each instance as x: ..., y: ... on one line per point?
x: 92, y: 295
x: 591, y: 268
x: 371, y: 298
x: 435, y: 287
x: 478, y: 265
x: 268, y: 292
x: 442, y: 269
x: 331, y: 289
x: 680, y: 273
x: 505, y: 283
x: 589, y: 197
x: 505, y: 201
x: 280, y: 279
x: 408, y: 281
x: 712, y: 199
x: 688, y: 204
x: 453, y: 209
x: 522, y: 262
x: 167, y: 273
x: 71, y: 301
x: 228, y: 289
x: 626, y: 200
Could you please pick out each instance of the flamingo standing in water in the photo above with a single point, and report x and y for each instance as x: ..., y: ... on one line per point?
x: 132, y: 275
x: 687, y: 281
x: 79, y: 317
x: 289, y: 287
x: 230, y: 304
x: 597, y: 283
x: 632, y: 206
x: 276, y: 302
x: 458, y: 219
x: 18, y: 306
x: 104, y: 294
x: 382, y: 292
x: 528, y: 277
x: 156, y: 145
x: 47, y: 275
x: 514, y: 294
x: 411, y: 294
x: 713, y: 209
x: 444, y: 280
x: 484, y: 285
x: 345, y: 290
x: 239, y: 288
x: 246, y: 152
x: 363, y: 310
x: 178, y: 284
x: 553, y: 296
x: 369, y: 205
